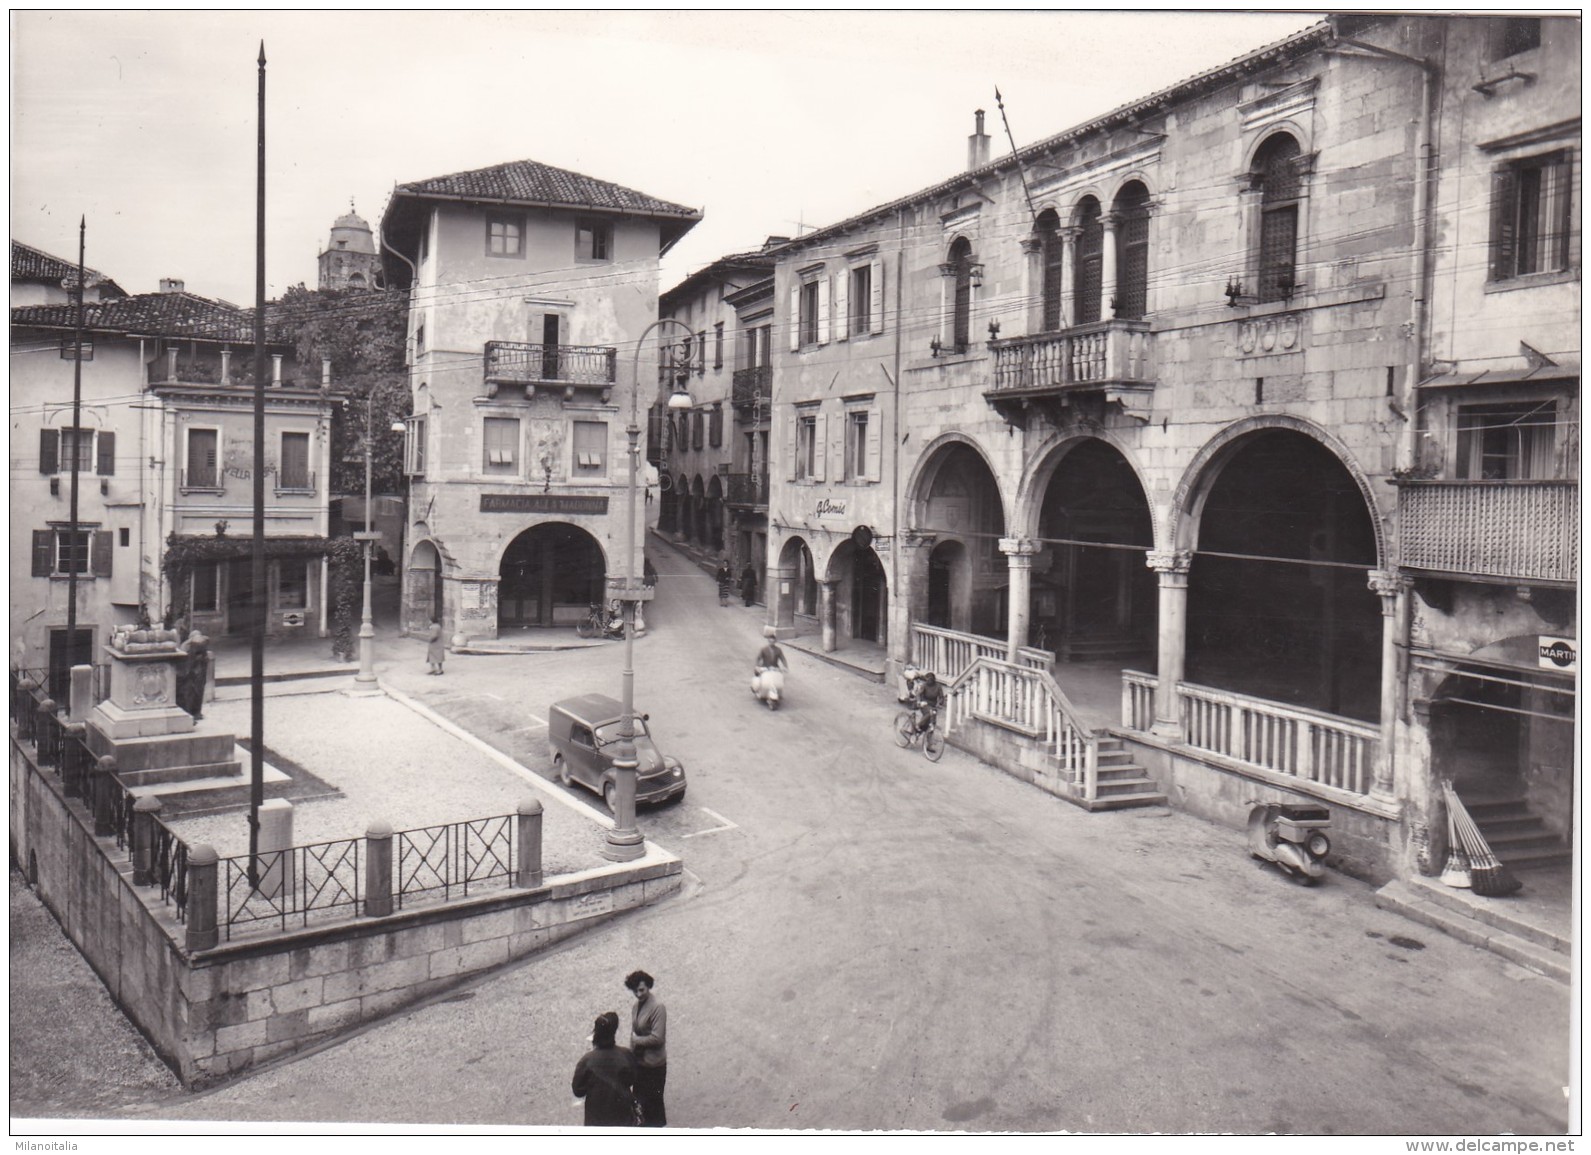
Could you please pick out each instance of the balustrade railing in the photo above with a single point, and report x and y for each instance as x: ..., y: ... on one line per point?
x: 750, y: 386
x: 453, y: 856
x: 1028, y: 701
x: 1518, y: 530
x: 748, y: 489
x: 1112, y: 350
x: 1303, y: 744
x: 1138, y: 699
x: 292, y: 883
x: 520, y: 363
x: 948, y: 652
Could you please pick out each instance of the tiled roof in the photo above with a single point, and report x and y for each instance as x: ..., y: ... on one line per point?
x: 532, y: 182
x: 148, y: 314
x: 31, y: 264
x: 724, y: 268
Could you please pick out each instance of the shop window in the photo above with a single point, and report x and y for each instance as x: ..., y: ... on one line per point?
x: 292, y: 584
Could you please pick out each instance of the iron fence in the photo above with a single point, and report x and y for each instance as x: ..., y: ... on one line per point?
x: 170, y: 868
x: 454, y: 856
x: 279, y: 885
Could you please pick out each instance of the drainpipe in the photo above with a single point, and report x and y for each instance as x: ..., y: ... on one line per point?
x: 895, y: 434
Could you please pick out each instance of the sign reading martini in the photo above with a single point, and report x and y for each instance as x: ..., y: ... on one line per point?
x: 542, y: 503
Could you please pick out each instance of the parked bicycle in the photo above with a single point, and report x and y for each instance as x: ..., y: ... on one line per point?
x: 602, y: 622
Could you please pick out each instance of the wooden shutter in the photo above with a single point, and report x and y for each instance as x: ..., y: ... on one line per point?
x: 107, y: 454
x: 101, y: 551
x: 823, y: 310
x: 875, y: 304
x: 820, y: 445
x: 49, y: 451
x: 875, y: 445
x: 795, y: 316
x: 790, y: 445
x: 43, y: 552
x: 1505, y: 235
x: 842, y: 305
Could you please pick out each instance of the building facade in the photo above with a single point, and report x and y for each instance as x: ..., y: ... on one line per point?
x: 1158, y: 394
x: 531, y: 288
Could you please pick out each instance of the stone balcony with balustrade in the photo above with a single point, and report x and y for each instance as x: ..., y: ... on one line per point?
x: 566, y: 368
x: 1109, y: 360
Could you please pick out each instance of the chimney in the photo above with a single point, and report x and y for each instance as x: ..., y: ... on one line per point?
x: 978, y: 145
x: 171, y: 285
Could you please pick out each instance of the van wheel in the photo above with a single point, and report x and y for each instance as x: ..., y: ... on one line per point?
x: 561, y: 768
x: 610, y: 795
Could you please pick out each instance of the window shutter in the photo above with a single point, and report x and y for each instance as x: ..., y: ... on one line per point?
x: 795, y: 316
x: 790, y: 446
x: 823, y: 310
x: 875, y: 305
x: 107, y: 454
x: 1505, y: 196
x: 842, y: 304
x: 875, y: 445
x: 43, y: 552
x: 820, y: 445
x: 49, y: 451
x: 100, y: 560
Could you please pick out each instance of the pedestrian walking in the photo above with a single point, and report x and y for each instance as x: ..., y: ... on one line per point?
x: 435, y: 650
x: 726, y: 580
x: 648, y: 1030
x: 748, y: 584
x: 194, y: 674
x: 605, y: 1077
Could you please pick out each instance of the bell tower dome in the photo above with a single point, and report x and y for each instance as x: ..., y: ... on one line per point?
x: 350, y: 260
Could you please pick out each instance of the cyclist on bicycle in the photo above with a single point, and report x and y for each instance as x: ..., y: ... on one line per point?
x: 923, y: 694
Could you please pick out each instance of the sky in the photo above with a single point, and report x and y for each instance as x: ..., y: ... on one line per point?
x: 767, y: 121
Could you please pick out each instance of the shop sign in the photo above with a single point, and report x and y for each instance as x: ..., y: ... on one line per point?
x: 542, y: 503
x: 828, y: 507
x: 1556, y: 654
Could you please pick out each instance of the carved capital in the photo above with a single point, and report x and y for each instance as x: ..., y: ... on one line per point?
x: 1019, y: 546
x: 1387, y: 583
x: 1032, y: 246
x: 1169, y: 560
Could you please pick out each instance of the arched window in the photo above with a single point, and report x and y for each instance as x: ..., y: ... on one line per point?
x: 1132, y: 250
x: 1276, y: 174
x: 961, y: 315
x: 1089, y: 262
x: 1048, y: 231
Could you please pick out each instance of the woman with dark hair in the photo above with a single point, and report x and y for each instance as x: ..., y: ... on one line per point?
x: 605, y: 1077
x: 648, y: 1036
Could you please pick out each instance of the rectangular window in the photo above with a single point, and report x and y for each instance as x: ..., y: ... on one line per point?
x: 1511, y: 35
x: 701, y: 352
x: 71, y: 551
x: 715, y: 425
x: 505, y: 236
x: 718, y: 345
x: 292, y: 584
x: 78, y: 443
x: 295, y: 462
x: 591, y: 448
x: 593, y: 241
x: 69, y: 350
x: 501, y: 443
x: 856, y: 445
x: 1531, y: 216
x: 809, y: 313
x: 806, y: 446
x: 206, y: 588
x: 201, y: 469
x: 861, y: 299
x: 696, y: 429
x: 1278, y: 245
x: 1506, y: 442
x: 414, y: 448
x: 419, y: 338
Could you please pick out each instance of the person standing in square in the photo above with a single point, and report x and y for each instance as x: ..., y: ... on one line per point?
x: 648, y: 1036
x: 604, y: 1077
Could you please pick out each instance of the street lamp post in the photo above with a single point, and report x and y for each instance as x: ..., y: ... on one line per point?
x: 366, y: 677
x: 624, y: 842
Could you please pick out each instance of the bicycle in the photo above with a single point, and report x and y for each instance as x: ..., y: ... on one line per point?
x: 601, y: 623
x: 907, y: 734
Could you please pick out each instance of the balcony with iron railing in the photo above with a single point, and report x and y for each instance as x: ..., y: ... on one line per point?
x: 752, y: 387
x: 1111, y: 358
x: 569, y: 367
x: 747, y: 489
x: 1511, y: 531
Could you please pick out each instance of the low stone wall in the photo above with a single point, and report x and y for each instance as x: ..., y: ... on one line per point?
x: 1018, y: 756
x: 211, y: 1013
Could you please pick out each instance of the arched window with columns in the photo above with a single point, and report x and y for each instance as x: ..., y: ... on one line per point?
x: 1047, y: 231
x: 1089, y: 261
x: 1277, y: 175
x: 961, y: 302
x: 1131, y: 209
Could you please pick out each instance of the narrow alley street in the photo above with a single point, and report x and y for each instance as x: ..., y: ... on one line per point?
x: 867, y: 940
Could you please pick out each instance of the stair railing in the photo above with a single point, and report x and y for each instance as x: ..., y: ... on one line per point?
x: 1029, y: 702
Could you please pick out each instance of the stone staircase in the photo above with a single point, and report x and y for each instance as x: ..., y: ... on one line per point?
x: 1099, y: 647
x: 1123, y: 783
x: 1506, y: 927
x: 1518, y: 837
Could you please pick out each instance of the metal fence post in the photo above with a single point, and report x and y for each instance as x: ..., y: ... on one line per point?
x: 528, y: 876
x: 203, y: 891
x: 74, y: 758
x: 46, y: 742
x: 378, y: 870
x: 146, y: 811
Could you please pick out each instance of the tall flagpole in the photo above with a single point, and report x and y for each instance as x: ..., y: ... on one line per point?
x: 257, y: 576
x: 78, y: 548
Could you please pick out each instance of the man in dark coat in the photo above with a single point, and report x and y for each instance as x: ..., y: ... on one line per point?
x: 605, y: 1077
x: 194, y: 675
x: 748, y: 584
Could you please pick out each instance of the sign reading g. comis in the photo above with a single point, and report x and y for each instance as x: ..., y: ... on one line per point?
x: 1557, y: 654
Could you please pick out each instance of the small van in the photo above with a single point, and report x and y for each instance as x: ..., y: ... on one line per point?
x: 584, y: 733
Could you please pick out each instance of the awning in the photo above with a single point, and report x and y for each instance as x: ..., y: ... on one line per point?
x: 1540, y: 375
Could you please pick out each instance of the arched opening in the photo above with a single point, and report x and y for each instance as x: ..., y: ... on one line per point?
x: 1131, y: 210
x: 1051, y: 253
x: 1276, y: 173
x: 715, y: 515
x: 961, y: 506
x: 1279, y: 604
x: 425, y: 602
x: 682, y: 506
x: 861, y: 594
x: 698, y: 511
x: 549, y: 576
x: 961, y: 301
x: 1088, y: 262
x: 947, y: 579
x: 1093, y: 597
x: 796, y: 592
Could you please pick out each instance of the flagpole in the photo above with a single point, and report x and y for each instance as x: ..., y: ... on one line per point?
x: 257, y: 574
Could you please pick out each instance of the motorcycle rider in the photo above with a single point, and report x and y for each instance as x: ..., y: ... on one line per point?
x: 770, y: 657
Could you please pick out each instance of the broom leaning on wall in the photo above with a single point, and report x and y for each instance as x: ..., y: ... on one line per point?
x: 1486, y: 876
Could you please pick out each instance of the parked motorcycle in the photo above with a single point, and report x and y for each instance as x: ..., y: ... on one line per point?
x: 1293, y: 837
x: 768, y: 686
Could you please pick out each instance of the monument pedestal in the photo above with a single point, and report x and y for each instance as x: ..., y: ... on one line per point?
x: 142, y: 727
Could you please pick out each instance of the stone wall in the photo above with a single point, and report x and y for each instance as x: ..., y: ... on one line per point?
x: 215, y: 1012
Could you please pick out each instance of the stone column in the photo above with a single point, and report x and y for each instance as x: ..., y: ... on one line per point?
x: 378, y: 870
x: 203, y: 894
x: 1019, y: 553
x: 1172, y: 568
x: 103, y: 777
x: 826, y: 613
x: 81, y: 699
x: 275, y: 845
x: 1107, y: 272
x: 1033, y: 282
x: 528, y: 876
x: 145, y: 812
x: 1068, y: 275
x: 1392, y: 589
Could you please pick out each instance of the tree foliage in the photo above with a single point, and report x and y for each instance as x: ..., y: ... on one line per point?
x: 363, y: 332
